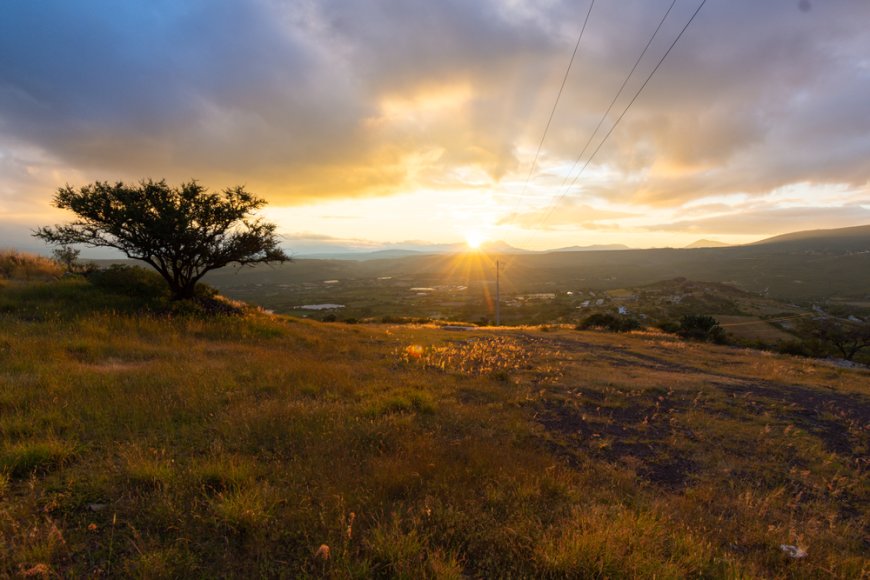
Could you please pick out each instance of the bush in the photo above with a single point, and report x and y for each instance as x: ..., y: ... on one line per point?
x: 204, y: 307
x: 388, y: 319
x: 130, y: 281
x: 701, y: 327
x: 669, y: 326
x: 793, y: 347
x: 609, y: 322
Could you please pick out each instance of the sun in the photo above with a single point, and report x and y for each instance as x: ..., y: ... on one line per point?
x: 474, y: 239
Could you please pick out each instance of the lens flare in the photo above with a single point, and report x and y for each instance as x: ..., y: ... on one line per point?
x: 474, y: 239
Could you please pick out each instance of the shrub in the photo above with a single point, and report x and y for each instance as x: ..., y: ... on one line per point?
x: 205, y: 306
x: 67, y: 257
x: 388, y: 319
x: 793, y: 347
x: 669, y: 326
x: 609, y: 322
x: 130, y: 281
x: 701, y: 327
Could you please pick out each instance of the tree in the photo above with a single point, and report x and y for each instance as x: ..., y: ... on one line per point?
x: 67, y: 257
x: 182, y: 232
x: 848, y: 338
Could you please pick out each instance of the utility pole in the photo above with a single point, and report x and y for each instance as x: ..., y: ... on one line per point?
x: 497, y: 294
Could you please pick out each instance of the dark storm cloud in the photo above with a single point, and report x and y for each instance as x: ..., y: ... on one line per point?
x: 290, y: 96
x: 218, y: 87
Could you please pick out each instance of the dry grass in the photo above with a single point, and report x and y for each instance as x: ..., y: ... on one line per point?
x: 147, y: 446
x: 16, y: 265
x: 751, y: 328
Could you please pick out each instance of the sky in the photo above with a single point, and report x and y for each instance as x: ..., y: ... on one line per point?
x: 378, y: 123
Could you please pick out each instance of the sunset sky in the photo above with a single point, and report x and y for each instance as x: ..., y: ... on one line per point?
x: 372, y: 122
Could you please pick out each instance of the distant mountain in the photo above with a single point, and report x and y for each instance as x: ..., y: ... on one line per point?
x: 498, y: 247
x: 706, y: 244
x: 340, y: 254
x: 406, y: 250
x: 592, y: 248
x: 833, y: 242
x: 855, y: 234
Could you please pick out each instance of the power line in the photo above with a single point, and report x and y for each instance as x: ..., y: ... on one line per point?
x: 624, y: 111
x: 556, y: 102
x: 618, y: 93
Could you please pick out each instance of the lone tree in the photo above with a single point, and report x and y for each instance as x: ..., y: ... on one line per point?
x: 182, y: 232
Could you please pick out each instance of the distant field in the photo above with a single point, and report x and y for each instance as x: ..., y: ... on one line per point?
x: 141, y: 445
x: 751, y: 328
x: 783, y: 273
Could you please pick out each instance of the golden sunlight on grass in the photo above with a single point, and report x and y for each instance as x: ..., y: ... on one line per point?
x: 260, y: 446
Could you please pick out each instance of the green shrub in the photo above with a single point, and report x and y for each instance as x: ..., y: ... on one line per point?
x: 205, y: 307
x: 669, y: 326
x: 130, y: 281
x: 794, y: 348
x: 609, y: 322
x: 701, y: 327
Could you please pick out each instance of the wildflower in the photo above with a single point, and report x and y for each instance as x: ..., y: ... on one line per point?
x: 92, y: 527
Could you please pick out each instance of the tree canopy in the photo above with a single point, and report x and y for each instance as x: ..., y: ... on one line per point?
x: 182, y: 232
x: 847, y: 337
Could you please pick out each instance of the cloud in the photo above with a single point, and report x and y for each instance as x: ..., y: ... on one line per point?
x: 568, y: 213
x: 324, y: 99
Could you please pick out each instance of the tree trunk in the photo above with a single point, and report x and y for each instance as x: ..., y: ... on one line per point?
x: 185, y: 291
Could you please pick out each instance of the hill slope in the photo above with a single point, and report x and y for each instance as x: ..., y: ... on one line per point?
x: 706, y: 244
x: 856, y: 234
x: 818, y: 267
x: 150, y: 446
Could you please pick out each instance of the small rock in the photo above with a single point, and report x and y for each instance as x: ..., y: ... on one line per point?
x: 97, y: 507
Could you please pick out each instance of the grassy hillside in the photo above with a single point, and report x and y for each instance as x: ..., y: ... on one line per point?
x: 150, y: 445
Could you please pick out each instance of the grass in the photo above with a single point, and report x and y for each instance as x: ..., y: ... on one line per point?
x: 16, y: 265
x: 137, y: 444
x: 27, y: 457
